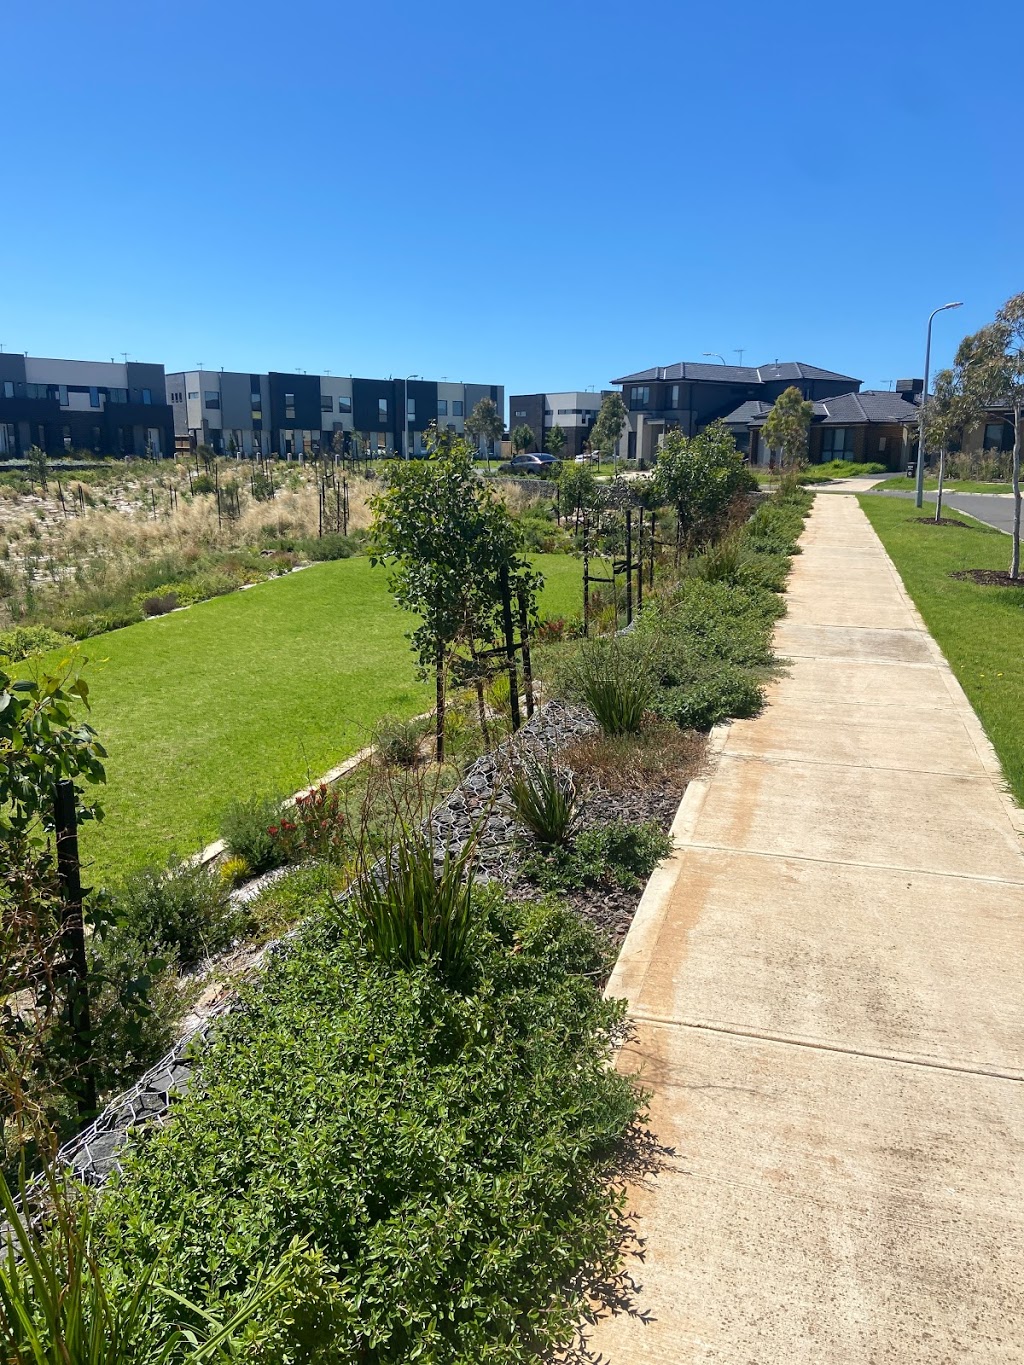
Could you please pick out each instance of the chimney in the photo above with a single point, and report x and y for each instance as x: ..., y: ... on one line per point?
x: 911, y: 389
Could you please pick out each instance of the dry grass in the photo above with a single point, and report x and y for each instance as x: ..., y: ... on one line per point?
x: 620, y: 764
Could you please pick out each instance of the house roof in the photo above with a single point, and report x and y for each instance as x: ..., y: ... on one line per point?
x: 734, y: 374
x: 845, y: 410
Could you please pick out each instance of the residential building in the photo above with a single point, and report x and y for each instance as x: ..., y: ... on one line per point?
x: 573, y: 411
x: 876, y: 426
x: 690, y: 394
x: 292, y: 415
x: 90, y: 405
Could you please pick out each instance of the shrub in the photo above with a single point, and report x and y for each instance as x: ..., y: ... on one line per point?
x: 545, y: 801
x: 465, y: 1142
x: 615, y: 852
x: 722, y: 693
x: 160, y: 604
x: 183, y: 912
x: 204, y: 483
x: 609, y: 678
x: 550, y: 631
x: 721, y: 563
x: 21, y: 641
x: 411, y: 910
x: 245, y: 828
x: 397, y: 742
x: 233, y: 871
x: 314, y: 827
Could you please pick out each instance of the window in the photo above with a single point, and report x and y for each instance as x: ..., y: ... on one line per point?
x: 211, y: 399
x: 382, y: 409
x: 326, y: 403
x: 521, y: 413
x: 410, y: 409
x: 62, y: 395
x: 882, y: 443
x: 119, y: 395
x: 194, y: 394
x: 344, y: 404
x: 672, y: 396
x: 289, y: 407
x: 147, y: 396
x: 639, y: 396
x: 457, y: 406
x: 442, y: 408
x: 176, y: 397
x: 998, y: 436
x: 8, y: 388
x: 837, y: 443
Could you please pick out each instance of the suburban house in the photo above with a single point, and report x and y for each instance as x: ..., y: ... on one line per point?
x: 876, y: 426
x: 90, y: 405
x: 573, y: 411
x: 288, y: 415
x: 691, y: 394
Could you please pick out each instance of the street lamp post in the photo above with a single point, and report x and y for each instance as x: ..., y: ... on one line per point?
x: 714, y: 355
x: 919, y: 486
x: 405, y: 418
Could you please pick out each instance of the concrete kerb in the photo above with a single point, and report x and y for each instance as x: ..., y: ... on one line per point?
x: 637, y: 951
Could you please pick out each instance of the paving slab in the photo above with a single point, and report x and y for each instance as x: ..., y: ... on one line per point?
x: 824, y: 980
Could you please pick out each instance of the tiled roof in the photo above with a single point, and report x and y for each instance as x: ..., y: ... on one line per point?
x: 747, y: 412
x: 845, y: 410
x: 733, y: 374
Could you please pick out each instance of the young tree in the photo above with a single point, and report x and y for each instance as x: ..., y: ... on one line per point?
x: 556, y: 441
x: 484, y: 424
x: 448, y: 541
x: 578, y: 489
x: 38, y: 464
x: 522, y: 438
x: 607, y: 429
x: 699, y: 476
x: 787, y: 426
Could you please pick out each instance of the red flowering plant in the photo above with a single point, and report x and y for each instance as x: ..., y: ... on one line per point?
x: 314, y: 827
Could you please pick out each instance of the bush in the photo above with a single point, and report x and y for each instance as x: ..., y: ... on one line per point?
x: 98, y: 623
x: 609, y: 678
x: 314, y: 827
x: 160, y: 604
x: 397, y: 742
x: 21, y: 641
x: 245, y: 828
x: 183, y: 913
x: 447, y: 1152
x: 616, y: 852
x: 204, y: 483
x: 545, y: 802
x: 724, y: 693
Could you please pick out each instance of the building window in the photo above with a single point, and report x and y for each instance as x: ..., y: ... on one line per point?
x: 998, y: 436
x: 289, y: 407
x: 211, y: 399
x: 257, y: 414
x: 62, y: 395
x: 442, y: 408
x: 147, y: 397
x: 410, y: 409
x: 639, y: 396
x: 883, y: 441
x: 194, y: 394
x: 836, y: 443
x: 521, y: 413
x: 8, y: 388
x: 326, y: 403
x: 457, y: 406
x: 176, y: 397
x: 119, y: 395
x: 66, y: 436
x: 382, y: 409
x: 344, y: 404
x: 672, y: 396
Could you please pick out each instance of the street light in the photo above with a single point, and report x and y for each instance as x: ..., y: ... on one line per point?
x: 406, y: 417
x: 919, y: 493
x: 714, y: 355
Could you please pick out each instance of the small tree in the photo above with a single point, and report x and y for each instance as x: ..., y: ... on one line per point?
x: 556, y: 441
x: 522, y: 438
x: 578, y: 490
x: 787, y: 427
x: 607, y: 429
x: 38, y: 465
x: 484, y: 424
x: 699, y: 476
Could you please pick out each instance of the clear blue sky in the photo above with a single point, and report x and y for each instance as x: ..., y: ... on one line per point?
x: 542, y: 195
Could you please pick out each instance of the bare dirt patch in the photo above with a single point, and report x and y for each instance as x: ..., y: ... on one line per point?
x: 989, y: 578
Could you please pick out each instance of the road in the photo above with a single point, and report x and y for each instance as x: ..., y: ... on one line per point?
x: 994, y: 509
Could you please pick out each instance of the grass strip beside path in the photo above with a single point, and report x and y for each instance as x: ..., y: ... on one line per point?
x: 979, y: 629
x: 262, y: 690
x: 905, y: 485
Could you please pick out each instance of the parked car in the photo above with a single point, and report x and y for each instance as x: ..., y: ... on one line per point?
x: 586, y: 458
x: 529, y: 462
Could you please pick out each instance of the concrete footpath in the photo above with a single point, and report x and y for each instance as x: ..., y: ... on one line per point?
x: 827, y: 981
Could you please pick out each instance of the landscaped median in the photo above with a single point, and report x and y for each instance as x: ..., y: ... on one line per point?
x: 980, y: 628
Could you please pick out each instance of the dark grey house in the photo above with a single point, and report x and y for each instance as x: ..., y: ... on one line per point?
x: 876, y: 426
x: 691, y: 394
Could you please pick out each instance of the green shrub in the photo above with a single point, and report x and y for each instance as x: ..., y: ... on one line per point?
x: 413, y: 909
x: 721, y: 563
x: 184, y: 913
x: 722, y: 693
x: 98, y: 623
x: 204, y: 483
x: 245, y: 828
x: 448, y: 1153
x: 160, y: 604
x: 397, y: 742
x: 21, y: 641
x: 610, y: 678
x: 617, y: 852
x: 545, y: 801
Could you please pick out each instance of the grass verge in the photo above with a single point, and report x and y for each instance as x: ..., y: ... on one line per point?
x: 980, y: 629
x: 905, y: 485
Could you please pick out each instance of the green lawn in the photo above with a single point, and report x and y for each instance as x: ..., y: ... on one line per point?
x: 949, y: 486
x: 980, y: 629
x: 261, y: 690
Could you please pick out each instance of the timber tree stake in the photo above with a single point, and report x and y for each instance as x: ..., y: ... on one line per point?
x: 73, y: 945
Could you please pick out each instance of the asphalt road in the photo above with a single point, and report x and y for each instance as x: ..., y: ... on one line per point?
x: 994, y: 509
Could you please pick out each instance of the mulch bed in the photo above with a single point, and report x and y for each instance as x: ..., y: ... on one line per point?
x: 944, y: 521
x: 989, y: 578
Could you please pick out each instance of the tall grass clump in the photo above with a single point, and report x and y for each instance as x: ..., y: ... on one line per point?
x: 609, y: 677
x: 545, y: 801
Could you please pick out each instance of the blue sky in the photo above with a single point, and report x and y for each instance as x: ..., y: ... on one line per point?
x: 539, y: 195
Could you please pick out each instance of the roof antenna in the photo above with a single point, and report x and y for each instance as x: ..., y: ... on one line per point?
x: 890, y: 382
x: 738, y: 350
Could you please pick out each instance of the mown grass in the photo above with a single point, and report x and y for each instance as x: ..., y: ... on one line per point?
x: 260, y: 691
x: 949, y: 485
x: 979, y: 629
